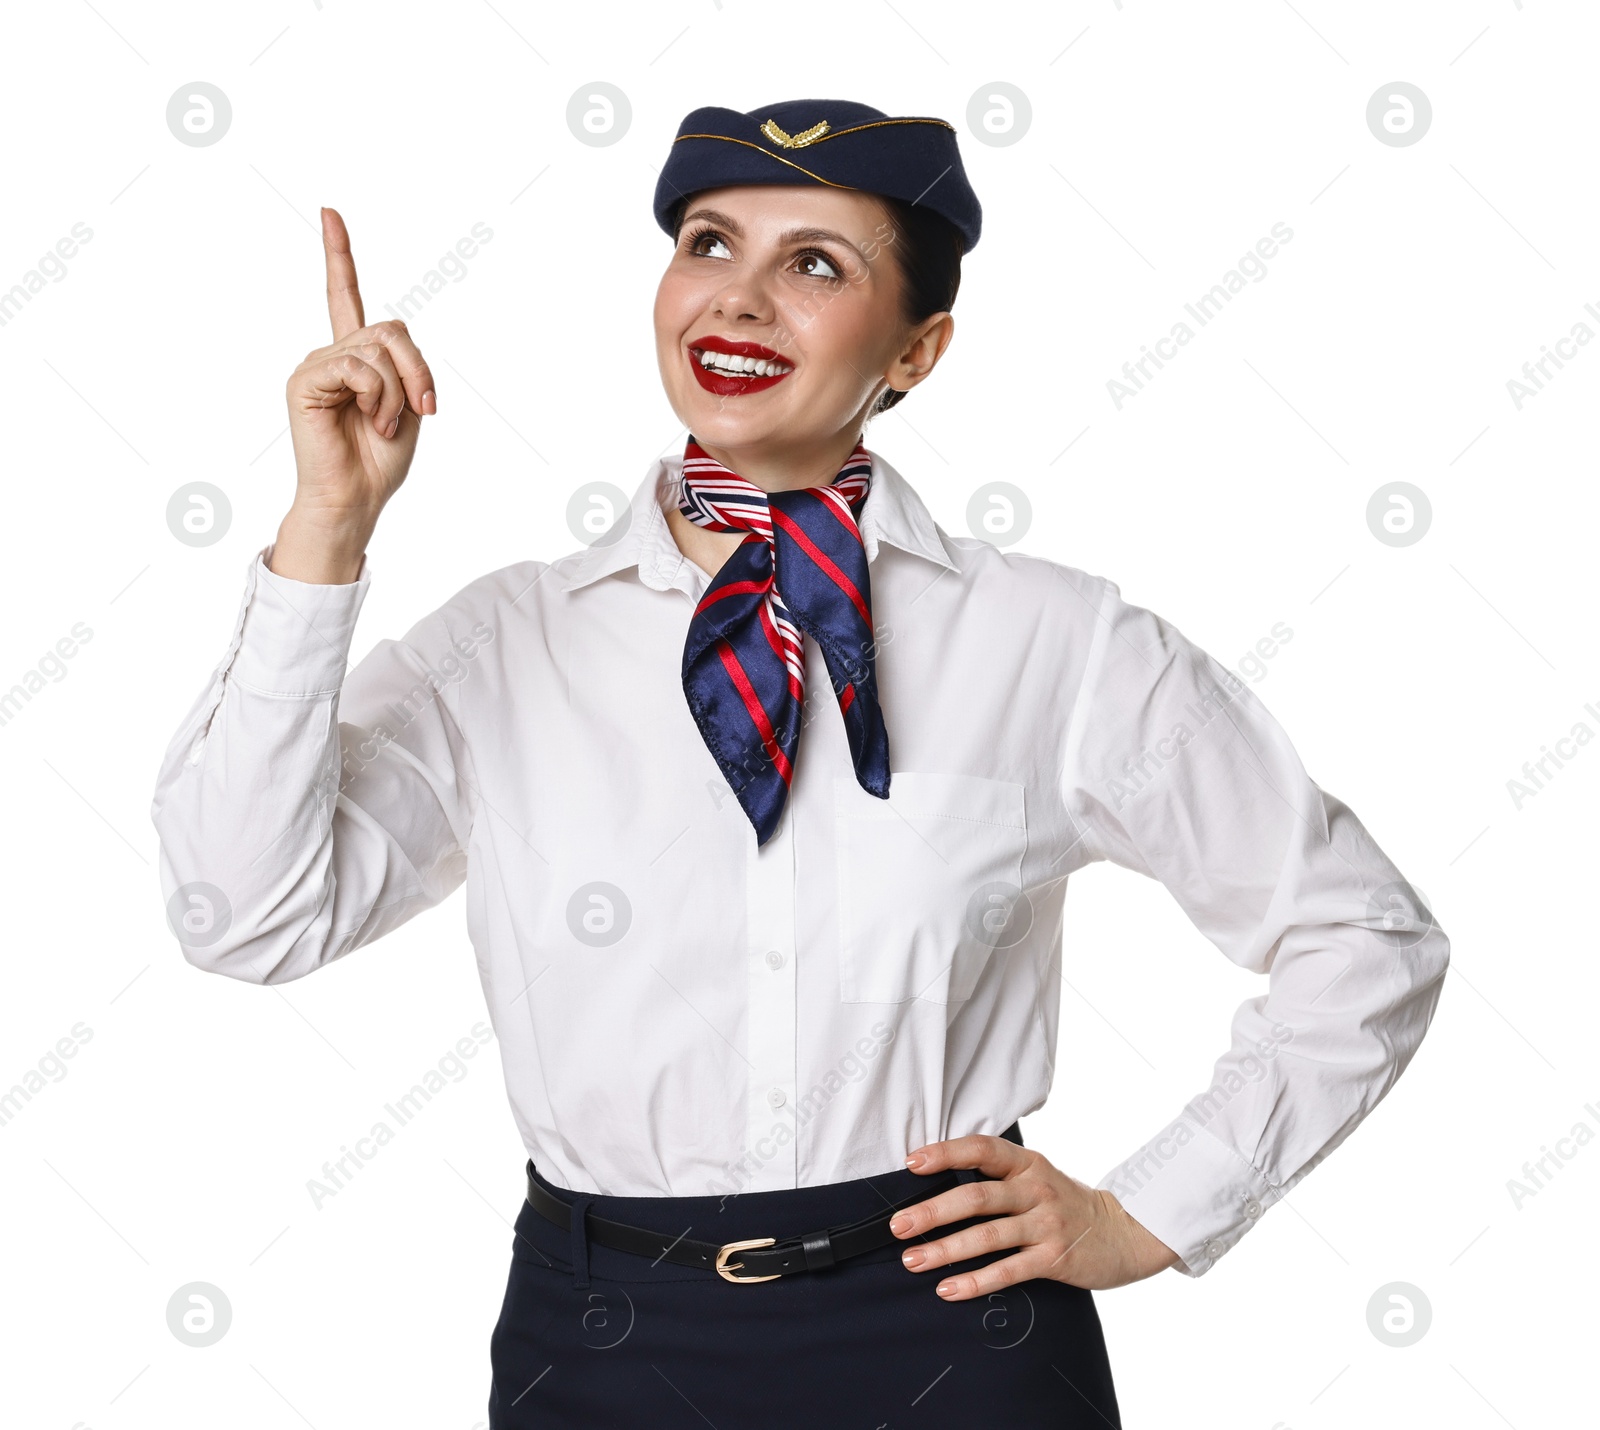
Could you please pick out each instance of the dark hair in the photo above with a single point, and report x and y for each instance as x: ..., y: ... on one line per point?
x: 927, y: 249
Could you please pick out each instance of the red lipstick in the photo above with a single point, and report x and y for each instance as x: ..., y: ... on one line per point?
x: 729, y: 384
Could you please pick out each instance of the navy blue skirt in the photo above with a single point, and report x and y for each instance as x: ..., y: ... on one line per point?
x: 592, y: 1337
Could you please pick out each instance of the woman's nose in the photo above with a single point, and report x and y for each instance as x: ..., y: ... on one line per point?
x: 743, y: 297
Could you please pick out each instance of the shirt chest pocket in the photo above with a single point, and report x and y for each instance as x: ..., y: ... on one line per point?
x: 919, y: 874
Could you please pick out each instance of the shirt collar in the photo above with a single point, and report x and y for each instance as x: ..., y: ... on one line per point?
x: 893, y: 513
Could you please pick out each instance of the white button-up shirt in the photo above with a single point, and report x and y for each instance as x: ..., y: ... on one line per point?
x: 681, y: 1012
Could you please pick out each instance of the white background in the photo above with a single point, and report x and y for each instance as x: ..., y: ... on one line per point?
x: 1229, y: 495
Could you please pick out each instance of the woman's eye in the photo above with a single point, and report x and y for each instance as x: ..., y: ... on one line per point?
x: 699, y: 246
x: 822, y: 266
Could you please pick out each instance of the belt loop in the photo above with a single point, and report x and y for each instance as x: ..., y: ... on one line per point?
x: 580, y: 1241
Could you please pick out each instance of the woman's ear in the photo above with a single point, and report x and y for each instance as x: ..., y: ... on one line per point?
x: 923, y: 349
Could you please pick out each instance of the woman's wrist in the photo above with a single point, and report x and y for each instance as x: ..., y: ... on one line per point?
x: 320, y: 549
x: 1146, y: 1253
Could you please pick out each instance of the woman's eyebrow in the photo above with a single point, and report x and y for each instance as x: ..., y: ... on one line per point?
x: 793, y: 235
x: 813, y: 235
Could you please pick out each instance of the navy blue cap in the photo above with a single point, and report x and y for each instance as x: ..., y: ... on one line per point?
x: 830, y: 142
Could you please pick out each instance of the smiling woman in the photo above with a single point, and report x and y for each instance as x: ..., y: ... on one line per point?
x: 781, y: 323
x: 769, y: 1018
x: 821, y: 275
x: 925, y: 247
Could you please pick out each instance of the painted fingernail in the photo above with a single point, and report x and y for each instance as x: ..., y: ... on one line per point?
x: 946, y: 1288
x: 900, y: 1224
x: 915, y: 1160
x: 430, y: 403
x: 913, y: 1258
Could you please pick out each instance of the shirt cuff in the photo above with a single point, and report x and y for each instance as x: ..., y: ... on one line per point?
x: 1192, y: 1191
x: 295, y: 640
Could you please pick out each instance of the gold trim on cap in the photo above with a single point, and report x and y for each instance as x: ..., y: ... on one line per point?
x: 778, y: 157
x: 877, y: 123
x: 808, y: 137
x: 831, y: 133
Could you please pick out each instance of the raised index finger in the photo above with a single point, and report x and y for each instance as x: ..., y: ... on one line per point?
x: 344, y: 297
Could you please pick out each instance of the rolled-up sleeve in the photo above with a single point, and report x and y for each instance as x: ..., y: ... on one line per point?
x: 1175, y: 769
x: 302, y: 811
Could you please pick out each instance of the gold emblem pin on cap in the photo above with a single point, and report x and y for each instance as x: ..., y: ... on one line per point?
x: 794, y: 141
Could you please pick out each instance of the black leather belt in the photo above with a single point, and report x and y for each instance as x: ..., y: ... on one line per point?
x: 762, y: 1259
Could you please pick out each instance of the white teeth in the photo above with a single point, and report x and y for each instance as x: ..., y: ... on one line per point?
x: 730, y: 362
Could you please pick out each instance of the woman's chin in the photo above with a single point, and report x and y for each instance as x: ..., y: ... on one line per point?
x: 722, y: 427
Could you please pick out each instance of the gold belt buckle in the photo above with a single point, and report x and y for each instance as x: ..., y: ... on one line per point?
x: 725, y: 1270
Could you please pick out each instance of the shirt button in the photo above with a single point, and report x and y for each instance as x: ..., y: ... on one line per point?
x: 775, y: 1097
x: 1214, y: 1248
x: 774, y: 958
x: 1252, y: 1208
